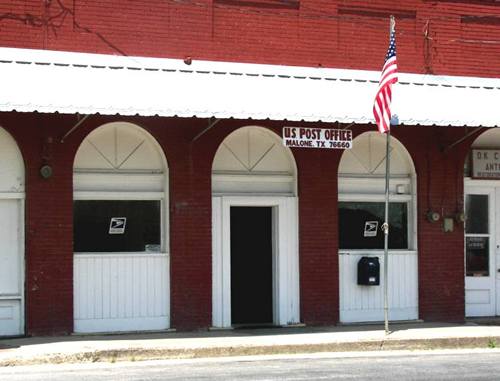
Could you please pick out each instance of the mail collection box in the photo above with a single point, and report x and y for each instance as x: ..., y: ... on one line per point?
x: 369, y: 271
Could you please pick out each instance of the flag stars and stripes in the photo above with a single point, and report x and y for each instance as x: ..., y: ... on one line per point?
x: 383, y: 98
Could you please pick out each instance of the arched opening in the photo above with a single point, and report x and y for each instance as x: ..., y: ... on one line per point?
x: 255, y: 231
x: 12, y: 195
x: 121, y: 260
x: 361, y: 210
x: 482, y: 225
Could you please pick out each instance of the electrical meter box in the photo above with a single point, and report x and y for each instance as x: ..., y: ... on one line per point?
x: 369, y: 271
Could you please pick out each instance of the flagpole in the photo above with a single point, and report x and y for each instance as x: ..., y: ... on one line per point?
x: 386, y: 232
x: 386, y: 218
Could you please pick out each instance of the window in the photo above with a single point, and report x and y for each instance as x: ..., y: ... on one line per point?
x: 120, y: 178
x: 477, y: 248
x: 360, y: 225
x: 361, y: 188
x: 117, y: 226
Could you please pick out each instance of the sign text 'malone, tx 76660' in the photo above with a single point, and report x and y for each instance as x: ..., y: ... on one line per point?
x: 317, y: 138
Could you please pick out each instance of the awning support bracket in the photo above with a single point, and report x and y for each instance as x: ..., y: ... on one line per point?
x: 78, y: 124
x: 211, y: 123
x: 476, y: 130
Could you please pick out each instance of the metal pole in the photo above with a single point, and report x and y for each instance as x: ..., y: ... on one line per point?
x: 386, y: 220
x: 386, y: 232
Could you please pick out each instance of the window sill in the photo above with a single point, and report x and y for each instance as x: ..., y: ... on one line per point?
x: 374, y: 252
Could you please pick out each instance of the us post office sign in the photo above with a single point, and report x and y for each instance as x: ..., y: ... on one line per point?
x: 317, y: 138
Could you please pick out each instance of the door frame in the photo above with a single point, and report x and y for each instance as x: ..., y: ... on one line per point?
x: 492, y: 283
x: 285, y: 257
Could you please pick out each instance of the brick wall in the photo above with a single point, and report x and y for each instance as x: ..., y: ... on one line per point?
x: 439, y: 188
x: 48, y: 210
x: 49, y: 252
x: 455, y: 37
x: 318, y: 235
x: 438, y: 37
x: 49, y: 217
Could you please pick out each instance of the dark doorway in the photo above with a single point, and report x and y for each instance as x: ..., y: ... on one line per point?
x: 251, y: 265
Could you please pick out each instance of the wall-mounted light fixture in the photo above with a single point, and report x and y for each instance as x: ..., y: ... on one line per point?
x: 433, y: 216
x: 46, y: 171
x: 460, y: 217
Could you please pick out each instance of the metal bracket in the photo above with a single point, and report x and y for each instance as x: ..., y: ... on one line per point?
x: 78, y: 124
x: 476, y: 130
x: 345, y: 127
x: 211, y: 123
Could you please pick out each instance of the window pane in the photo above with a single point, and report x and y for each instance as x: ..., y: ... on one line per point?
x: 477, y: 256
x: 360, y: 225
x: 117, y: 226
x: 476, y: 209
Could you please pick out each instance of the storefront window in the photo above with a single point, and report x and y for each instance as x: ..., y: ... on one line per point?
x: 360, y: 225
x: 477, y: 255
x: 476, y: 207
x: 117, y: 226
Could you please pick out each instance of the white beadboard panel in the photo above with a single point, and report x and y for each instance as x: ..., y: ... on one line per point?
x: 366, y: 303
x: 477, y: 296
x: 10, y: 317
x: 11, y: 266
x: 288, y: 263
x: 125, y: 182
x: 121, y: 292
x: 252, y: 184
x: 221, y: 315
x: 11, y: 241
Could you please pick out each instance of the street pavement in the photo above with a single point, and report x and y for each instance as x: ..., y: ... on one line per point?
x: 473, y: 364
x: 244, y: 342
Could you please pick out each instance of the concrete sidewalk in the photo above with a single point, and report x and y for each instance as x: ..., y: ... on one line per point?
x: 240, y: 342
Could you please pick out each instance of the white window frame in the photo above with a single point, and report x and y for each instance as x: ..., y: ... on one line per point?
x: 408, y: 198
x: 131, y: 196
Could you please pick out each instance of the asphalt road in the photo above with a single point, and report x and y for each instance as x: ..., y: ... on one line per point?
x: 428, y: 365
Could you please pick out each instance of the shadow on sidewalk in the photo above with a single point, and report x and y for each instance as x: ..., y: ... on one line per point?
x: 16, y: 342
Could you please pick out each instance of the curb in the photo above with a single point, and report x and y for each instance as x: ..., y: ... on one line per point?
x: 142, y: 354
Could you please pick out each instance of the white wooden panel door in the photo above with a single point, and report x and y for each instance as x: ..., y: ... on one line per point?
x: 121, y: 292
x: 480, y: 247
x: 366, y: 303
x: 11, y: 267
x: 496, y: 248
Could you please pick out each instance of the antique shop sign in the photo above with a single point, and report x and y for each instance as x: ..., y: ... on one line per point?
x: 486, y: 163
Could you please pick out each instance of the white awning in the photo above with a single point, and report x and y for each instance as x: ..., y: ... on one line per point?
x: 49, y: 81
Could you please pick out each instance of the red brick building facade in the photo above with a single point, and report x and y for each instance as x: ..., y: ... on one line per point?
x: 438, y: 38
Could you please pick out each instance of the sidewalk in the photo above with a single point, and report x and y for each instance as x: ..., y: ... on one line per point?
x: 169, y: 345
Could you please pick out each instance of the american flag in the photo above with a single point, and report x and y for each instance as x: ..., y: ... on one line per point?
x: 382, y: 104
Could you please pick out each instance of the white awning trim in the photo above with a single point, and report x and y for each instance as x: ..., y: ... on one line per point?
x: 49, y: 81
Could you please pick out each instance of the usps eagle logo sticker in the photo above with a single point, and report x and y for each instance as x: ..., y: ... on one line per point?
x: 371, y: 228
x: 117, y: 225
